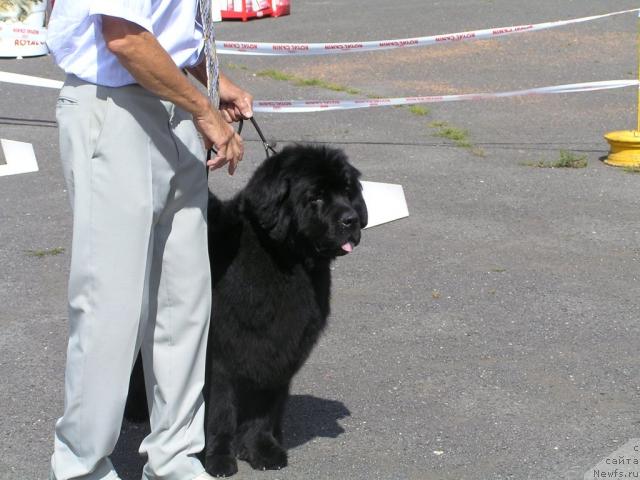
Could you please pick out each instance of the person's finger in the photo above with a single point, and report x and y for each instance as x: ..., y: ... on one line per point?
x: 219, y: 161
x: 232, y: 167
x: 245, y: 106
x: 215, y: 166
x: 240, y: 143
x: 235, y: 153
x: 233, y: 114
x: 226, y: 115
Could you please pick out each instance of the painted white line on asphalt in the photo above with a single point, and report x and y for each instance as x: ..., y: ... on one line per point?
x: 19, y: 156
x: 385, y: 202
x: 9, y: 77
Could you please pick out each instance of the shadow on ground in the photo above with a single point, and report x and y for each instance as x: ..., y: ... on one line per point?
x: 306, y: 418
x: 309, y: 417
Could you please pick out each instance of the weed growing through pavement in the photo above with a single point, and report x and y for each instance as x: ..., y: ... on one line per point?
x: 570, y: 160
x: 419, y: 110
x: 631, y: 169
x: 458, y: 136
x: 566, y: 159
x: 306, y: 82
x: 276, y: 75
x: 316, y: 82
x: 237, y: 66
x: 50, y: 252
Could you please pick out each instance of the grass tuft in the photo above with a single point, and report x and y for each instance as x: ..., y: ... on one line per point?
x: 570, y: 160
x: 457, y: 135
x: 276, y: 75
x: 236, y: 66
x: 419, y: 110
x: 306, y: 82
x: 317, y: 82
x: 566, y: 159
x: 50, y: 252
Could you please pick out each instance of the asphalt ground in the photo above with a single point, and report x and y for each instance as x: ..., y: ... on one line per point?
x: 493, y: 334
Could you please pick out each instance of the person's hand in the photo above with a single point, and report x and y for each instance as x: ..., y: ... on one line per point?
x: 235, y: 103
x: 219, y: 134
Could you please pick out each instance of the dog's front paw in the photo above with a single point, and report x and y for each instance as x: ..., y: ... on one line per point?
x: 221, y: 465
x: 266, y: 454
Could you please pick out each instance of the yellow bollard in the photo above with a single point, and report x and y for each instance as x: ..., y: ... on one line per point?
x: 625, y: 148
x: 625, y: 144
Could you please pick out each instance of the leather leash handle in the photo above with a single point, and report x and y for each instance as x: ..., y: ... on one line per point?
x: 268, y: 148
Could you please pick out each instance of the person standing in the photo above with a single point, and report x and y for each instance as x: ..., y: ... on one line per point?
x: 132, y: 128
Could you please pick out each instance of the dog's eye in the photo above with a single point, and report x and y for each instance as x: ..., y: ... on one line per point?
x: 315, y: 198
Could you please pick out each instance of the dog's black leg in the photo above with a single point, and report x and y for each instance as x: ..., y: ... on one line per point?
x: 136, y: 409
x: 256, y: 440
x: 220, y: 428
x: 277, y: 412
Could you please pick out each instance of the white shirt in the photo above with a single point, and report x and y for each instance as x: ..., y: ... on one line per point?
x: 75, y: 35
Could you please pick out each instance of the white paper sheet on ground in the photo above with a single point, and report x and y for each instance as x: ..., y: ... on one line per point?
x: 19, y: 156
x: 385, y: 202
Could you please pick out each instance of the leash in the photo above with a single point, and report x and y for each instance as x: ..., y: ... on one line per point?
x: 266, y: 145
x: 269, y: 149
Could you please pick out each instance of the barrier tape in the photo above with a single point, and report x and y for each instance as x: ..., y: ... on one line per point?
x: 35, y: 36
x: 305, y: 106
x: 285, y: 49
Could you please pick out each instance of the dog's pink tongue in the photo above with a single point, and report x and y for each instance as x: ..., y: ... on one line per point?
x: 347, y: 247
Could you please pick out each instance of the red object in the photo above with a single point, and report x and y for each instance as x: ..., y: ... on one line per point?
x: 281, y: 7
x: 244, y: 9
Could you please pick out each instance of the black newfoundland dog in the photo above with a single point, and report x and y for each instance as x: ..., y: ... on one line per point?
x: 271, y: 247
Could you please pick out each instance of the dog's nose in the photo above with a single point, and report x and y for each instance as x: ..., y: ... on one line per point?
x: 348, y: 219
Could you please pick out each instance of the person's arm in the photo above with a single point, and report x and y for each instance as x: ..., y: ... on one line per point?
x: 235, y: 103
x: 142, y: 55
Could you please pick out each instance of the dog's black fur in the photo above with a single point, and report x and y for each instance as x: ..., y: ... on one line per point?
x: 271, y: 247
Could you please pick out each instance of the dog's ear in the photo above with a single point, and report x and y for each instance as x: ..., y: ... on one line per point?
x: 360, y: 206
x: 282, y: 210
x: 352, y: 175
x: 265, y: 200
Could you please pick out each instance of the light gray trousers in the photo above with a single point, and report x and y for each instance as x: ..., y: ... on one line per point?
x: 134, y: 167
